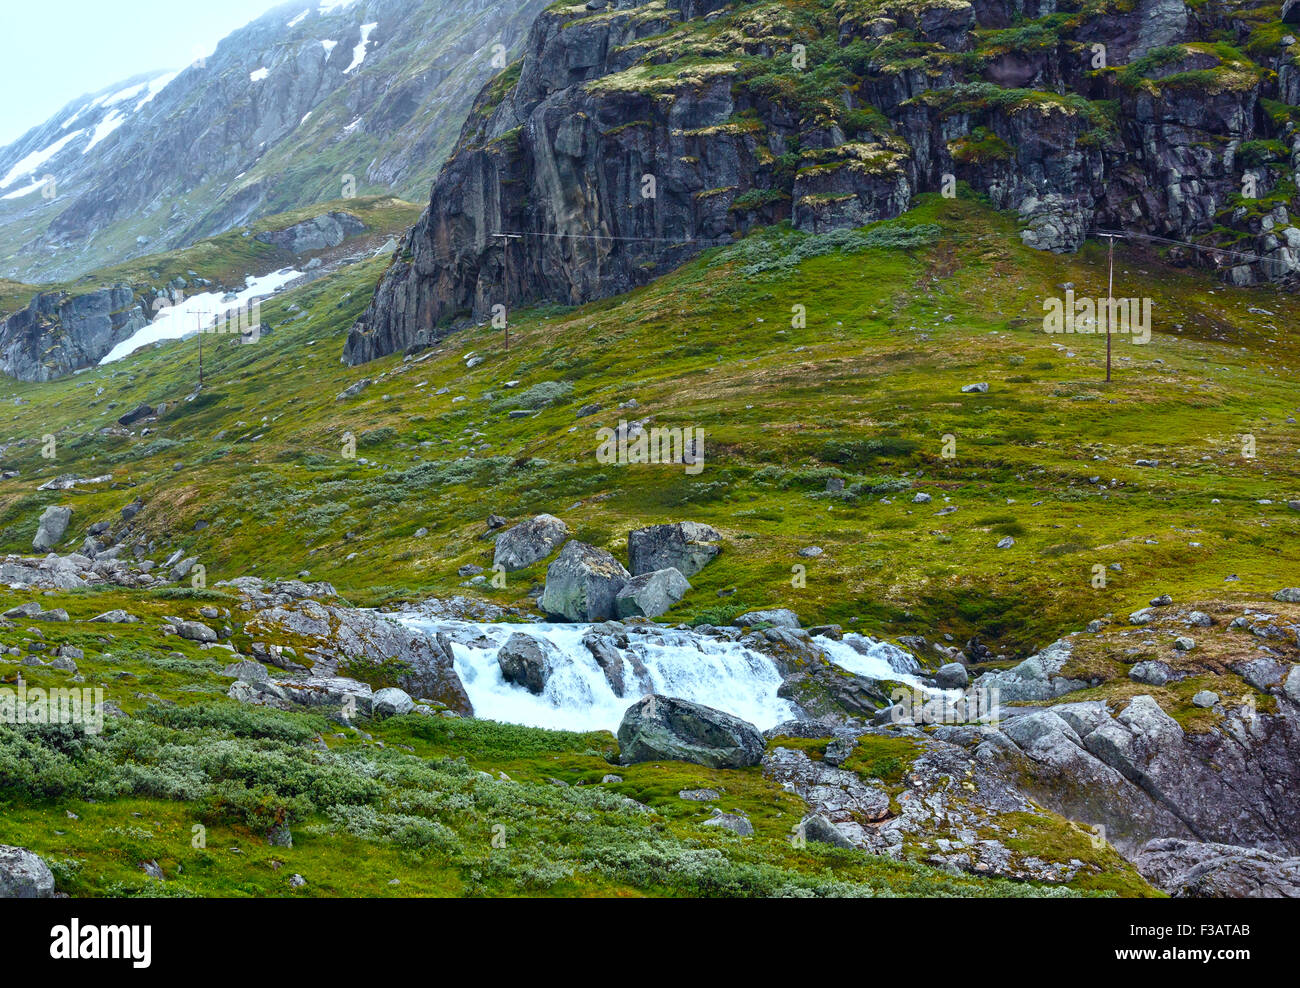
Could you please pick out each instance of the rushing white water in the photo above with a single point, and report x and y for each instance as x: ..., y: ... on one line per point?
x: 671, y: 662
x: 578, y: 697
x: 873, y: 659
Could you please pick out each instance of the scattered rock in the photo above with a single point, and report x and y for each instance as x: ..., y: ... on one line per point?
x: 1152, y: 673
x: 23, y: 875
x: 731, y: 821
x: 392, y: 702
x: 52, y: 526
x: 685, y: 546
x: 778, y: 617
x: 952, y: 676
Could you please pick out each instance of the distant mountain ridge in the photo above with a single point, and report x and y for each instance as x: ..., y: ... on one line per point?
x: 310, y: 102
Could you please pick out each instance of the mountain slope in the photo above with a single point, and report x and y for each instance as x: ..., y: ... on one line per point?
x: 636, y: 134
x: 306, y: 104
x: 254, y: 475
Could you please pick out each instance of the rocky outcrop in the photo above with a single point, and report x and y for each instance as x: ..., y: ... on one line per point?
x: 1140, y: 775
x: 319, y: 233
x: 334, y: 639
x: 928, y: 795
x: 58, y: 332
x: 662, y: 728
x: 613, y: 168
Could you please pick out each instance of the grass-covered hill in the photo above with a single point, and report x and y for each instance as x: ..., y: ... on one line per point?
x: 251, y: 474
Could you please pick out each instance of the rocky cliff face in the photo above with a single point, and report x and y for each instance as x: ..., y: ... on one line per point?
x: 59, y: 333
x: 309, y: 103
x: 636, y: 133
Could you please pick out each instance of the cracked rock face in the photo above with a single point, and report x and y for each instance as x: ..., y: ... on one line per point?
x: 58, y: 333
x: 1191, y: 869
x: 560, y: 157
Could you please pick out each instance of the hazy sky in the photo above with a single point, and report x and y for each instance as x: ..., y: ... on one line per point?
x: 52, y: 51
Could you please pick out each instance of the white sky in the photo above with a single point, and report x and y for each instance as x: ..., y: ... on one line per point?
x: 52, y: 51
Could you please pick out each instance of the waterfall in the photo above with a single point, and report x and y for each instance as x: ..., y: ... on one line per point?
x: 578, y: 696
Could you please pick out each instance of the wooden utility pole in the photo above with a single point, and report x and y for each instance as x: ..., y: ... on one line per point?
x: 505, y: 277
x: 1110, y: 301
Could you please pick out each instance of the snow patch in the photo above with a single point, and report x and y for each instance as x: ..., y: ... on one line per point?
x: 104, y: 128
x: 25, y: 191
x: 299, y: 19
x: 258, y: 75
x: 36, y: 159
x: 329, y: 47
x: 156, y: 86
x: 359, y: 52
x: 198, y: 312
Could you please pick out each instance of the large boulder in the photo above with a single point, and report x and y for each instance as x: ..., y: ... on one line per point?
x: 525, y: 661
x: 332, y: 638
x: 652, y: 594
x: 23, y: 875
x: 53, y: 525
x: 392, y: 702
x: 777, y: 617
x: 529, y: 542
x: 664, y: 728
x: 582, y: 584
x: 685, y: 547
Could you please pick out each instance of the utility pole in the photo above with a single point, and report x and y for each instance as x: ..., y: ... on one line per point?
x: 198, y: 317
x: 505, y: 276
x: 1110, y: 300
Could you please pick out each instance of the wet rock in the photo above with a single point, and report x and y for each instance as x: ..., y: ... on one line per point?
x: 662, y: 728
x: 526, y: 661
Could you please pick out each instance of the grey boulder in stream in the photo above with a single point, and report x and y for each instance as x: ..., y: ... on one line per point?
x: 663, y: 728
